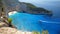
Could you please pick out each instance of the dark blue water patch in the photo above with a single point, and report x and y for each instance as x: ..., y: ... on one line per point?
x: 31, y: 22
x: 53, y: 28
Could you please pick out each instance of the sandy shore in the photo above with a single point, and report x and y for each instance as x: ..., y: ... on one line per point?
x: 11, y: 13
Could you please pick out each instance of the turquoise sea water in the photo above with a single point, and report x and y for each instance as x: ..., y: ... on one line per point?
x: 31, y: 22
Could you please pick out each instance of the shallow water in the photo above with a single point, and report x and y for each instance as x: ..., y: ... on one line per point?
x: 31, y: 22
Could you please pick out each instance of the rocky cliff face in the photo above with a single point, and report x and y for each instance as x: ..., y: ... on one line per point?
x: 10, y: 5
x: 32, y: 9
x: 0, y: 7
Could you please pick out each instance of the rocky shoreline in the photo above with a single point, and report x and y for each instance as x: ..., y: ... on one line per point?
x: 8, y: 30
x: 6, y: 27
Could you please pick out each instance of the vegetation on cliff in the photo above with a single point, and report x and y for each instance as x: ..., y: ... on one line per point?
x: 37, y: 10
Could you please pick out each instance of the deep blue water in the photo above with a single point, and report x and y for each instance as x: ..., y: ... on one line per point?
x: 31, y: 22
x: 53, y: 6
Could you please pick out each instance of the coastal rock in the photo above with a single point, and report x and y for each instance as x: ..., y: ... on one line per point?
x: 8, y: 30
x: 15, y: 5
x: 2, y: 24
x: 32, y: 9
x: 11, y: 5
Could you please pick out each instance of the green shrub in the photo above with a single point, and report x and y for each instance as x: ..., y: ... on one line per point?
x: 9, y: 20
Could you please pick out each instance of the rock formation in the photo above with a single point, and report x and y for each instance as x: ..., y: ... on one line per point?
x: 23, y: 7
x: 11, y: 5
x: 2, y: 24
x: 30, y: 8
x: 8, y: 30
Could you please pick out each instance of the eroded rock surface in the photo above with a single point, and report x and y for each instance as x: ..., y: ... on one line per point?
x: 8, y: 30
